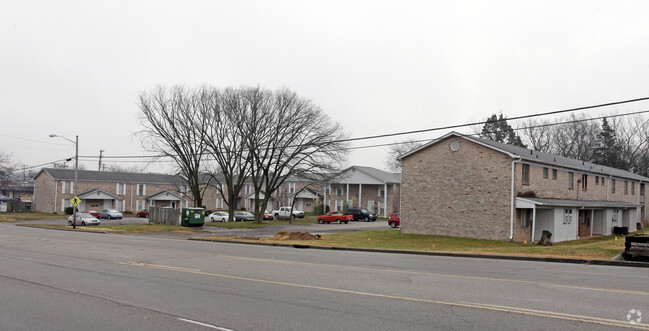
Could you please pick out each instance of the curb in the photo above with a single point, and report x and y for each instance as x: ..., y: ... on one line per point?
x: 447, y: 254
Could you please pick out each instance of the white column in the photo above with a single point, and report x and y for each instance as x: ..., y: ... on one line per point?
x: 347, y: 196
x: 533, y: 222
x: 592, y: 221
x: 360, y: 195
x: 385, y: 200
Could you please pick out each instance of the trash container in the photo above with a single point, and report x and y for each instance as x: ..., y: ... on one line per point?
x: 192, y: 217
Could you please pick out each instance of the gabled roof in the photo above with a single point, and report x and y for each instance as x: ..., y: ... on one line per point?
x: 112, y: 177
x: 96, y: 194
x: 164, y: 195
x: 371, y: 176
x: 536, y: 157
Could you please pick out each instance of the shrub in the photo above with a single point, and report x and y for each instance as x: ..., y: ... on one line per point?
x: 69, y: 210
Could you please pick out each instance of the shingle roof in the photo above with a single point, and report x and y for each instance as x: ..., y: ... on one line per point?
x: 112, y: 177
x: 539, y: 157
x: 384, y: 176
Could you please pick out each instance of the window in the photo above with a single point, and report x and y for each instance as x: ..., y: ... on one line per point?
x: 626, y: 187
x: 183, y: 190
x: 554, y: 174
x: 140, y: 204
x: 616, y: 215
x: 545, y: 172
x: 248, y: 189
x: 67, y: 187
x: 328, y: 190
x: 339, y: 205
x: 141, y: 189
x: 584, y: 182
x: 121, y: 188
x: 526, y: 174
x: 526, y: 217
x: 219, y: 203
x: 612, y: 185
x: 381, y: 192
x: 120, y: 205
x: 291, y: 188
x: 632, y: 188
x: 642, y: 189
x: 65, y: 203
x: 339, y: 190
x: 571, y: 181
x: 596, y: 180
x: 567, y: 216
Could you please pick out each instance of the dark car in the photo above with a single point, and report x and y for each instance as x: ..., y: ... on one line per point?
x: 243, y: 216
x: 143, y: 213
x: 361, y: 214
x: 394, y: 220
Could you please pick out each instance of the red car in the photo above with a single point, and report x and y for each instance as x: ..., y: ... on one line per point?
x: 94, y: 213
x: 335, y: 216
x: 143, y: 213
x: 394, y: 220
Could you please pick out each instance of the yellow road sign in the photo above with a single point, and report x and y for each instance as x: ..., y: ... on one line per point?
x: 75, y: 201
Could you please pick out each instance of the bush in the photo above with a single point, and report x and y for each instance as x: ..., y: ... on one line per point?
x: 69, y: 210
x: 318, y: 209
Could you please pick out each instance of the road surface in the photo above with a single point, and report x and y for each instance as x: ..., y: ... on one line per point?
x: 71, y: 280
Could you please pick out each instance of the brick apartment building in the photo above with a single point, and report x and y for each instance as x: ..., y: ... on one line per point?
x: 470, y: 187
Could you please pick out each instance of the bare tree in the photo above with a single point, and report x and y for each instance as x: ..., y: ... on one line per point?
x: 169, y: 117
x: 286, y: 136
x: 7, y: 168
x: 632, y: 135
x: 539, y: 135
x: 394, y: 151
x: 576, y: 138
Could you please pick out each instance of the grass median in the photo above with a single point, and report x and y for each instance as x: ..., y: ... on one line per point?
x: 14, y: 217
x: 596, y: 248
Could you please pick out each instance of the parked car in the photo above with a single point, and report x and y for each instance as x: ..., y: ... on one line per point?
x: 94, y: 213
x: 110, y: 213
x: 83, y: 219
x: 284, y: 212
x: 243, y: 216
x: 143, y: 213
x: 361, y: 214
x: 335, y: 216
x: 267, y: 215
x: 219, y: 216
x: 394, y: 220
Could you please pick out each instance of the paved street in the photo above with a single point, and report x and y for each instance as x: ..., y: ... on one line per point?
x: 67, y: 280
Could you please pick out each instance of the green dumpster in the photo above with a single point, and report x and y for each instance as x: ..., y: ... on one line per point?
x: 192, y: 217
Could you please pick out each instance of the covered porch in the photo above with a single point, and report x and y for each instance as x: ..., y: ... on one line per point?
x: 97, y: 199
x: 575, y: 219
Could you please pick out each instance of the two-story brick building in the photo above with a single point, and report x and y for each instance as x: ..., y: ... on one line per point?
x: 365, y: 187
x: 53, y: 189
x: 464, y: 186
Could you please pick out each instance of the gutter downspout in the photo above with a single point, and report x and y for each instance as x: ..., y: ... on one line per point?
x: 56, y: 194
x: 512, y: 210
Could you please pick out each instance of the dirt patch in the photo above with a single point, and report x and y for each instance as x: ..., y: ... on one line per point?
x: 283, y: 235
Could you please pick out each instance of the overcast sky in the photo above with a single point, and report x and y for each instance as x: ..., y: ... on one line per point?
x: 77, y: 67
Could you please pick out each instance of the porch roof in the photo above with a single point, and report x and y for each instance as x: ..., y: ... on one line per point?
x: 583, y: 204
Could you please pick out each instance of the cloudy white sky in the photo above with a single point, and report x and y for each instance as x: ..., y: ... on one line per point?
x: 76, y: 67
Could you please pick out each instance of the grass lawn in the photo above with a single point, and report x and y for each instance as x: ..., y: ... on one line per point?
x: 598, y: 248
x: 12, y: 217
x: 252, y: 225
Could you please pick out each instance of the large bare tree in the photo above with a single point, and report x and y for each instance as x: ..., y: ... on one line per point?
x: 169, y: 117
x: 396, y: 150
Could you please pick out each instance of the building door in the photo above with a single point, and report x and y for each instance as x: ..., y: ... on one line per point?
x: 584, y: 223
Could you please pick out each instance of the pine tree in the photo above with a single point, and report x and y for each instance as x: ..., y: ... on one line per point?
x: 497, y: 129
x: 607, y: 151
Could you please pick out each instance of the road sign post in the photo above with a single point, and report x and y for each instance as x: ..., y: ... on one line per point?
x: 75, y: 201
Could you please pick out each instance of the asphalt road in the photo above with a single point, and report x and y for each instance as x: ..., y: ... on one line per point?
x: 69, y: 280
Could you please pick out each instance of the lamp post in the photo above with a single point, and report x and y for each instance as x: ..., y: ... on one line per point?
x: 76, y: 169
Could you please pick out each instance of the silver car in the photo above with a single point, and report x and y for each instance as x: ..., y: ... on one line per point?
x: 218, y: 216
x: 243, y: 216
x: 110, y: 213
x: 84, y: 219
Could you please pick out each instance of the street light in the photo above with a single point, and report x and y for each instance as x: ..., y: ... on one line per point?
x: 76, y: 169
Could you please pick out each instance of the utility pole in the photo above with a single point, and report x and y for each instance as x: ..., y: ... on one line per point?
x: 101, y: 154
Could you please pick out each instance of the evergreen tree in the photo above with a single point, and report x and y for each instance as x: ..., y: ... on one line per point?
x: 496, y: 128
x: 607, y: 151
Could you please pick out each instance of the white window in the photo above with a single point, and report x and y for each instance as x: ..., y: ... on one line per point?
x: 248, y: 189
x: 567, y: 216
x: 65, y: 203
x: 120, y: 205
x: 141, y: 189
x: 339, y: 205
x: 381, y: 192
x: 68, y: 187
x: 183, y: 204
x: 152, y: 203
x: 291, y: 188
x: 328, y: 190
x: 616, y: 215
x: 219, y: 203
x: 139, y: 204
x: 526, y: 217
x: 121, y: 188
x: 339, y: 190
